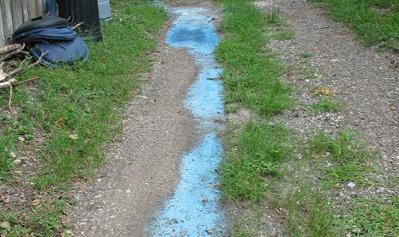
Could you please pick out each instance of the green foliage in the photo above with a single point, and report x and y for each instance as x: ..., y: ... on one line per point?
x: 308, y: 213
x: 374, y: 21
x: 261, y: 149
x: 251, y: 74
x: 348, y: 154
x: 326, y: 104
x: 373, y: 216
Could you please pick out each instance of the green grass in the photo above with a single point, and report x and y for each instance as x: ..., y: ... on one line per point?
x: 374, y: 21
x: 305, y: 55
x: 261, y: 150
x: 284, y: 34
x: 326, y: 104
x: 373, y: 216
x: 349, y: 157
x: 68, y: 115
x: 251, y: 75
x: 308, y: 212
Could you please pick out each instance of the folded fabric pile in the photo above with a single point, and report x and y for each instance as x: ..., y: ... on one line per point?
x: 52, y: 41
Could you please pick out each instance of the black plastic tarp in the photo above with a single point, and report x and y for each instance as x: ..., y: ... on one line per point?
x: 85, y: 11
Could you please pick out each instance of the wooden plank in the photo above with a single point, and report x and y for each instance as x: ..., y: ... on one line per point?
x: 25, y: 13
x: 32, y: 8
x: 39, y: 8
x: 16, y: 9
x: 2, y: 37
x: 7, y: 19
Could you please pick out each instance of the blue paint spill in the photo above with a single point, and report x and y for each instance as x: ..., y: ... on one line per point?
x: 193, y: 209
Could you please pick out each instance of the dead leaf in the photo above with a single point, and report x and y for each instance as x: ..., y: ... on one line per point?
x: 318, y: 49
x: 89, y: 134
x: 324, y: 91
x: 35, y: 203
x: 5, y: 225
x: 73, y: 136
x: 58, y: 123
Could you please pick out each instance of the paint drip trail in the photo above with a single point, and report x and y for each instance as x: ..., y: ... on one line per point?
x: 193, y: 209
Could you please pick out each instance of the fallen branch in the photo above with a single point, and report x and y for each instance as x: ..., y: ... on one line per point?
x: 76, y: 26
x: 20, y: 67
x: 4, y: 75
x: 38, y: 60
x: 7, y: 83
x: 12, y: 54
x: 9, y: 100
x: 11, y: 47
x: 31, y: 79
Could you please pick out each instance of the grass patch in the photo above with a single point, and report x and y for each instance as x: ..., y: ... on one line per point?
x: 261, y: 149
x: 64, y: 119
x: 284, y: 34
x: 326, y: 104
x: 373, y: 216
x: 308, y: 212
x: 251, y: 75
x: 305, y: 55
x: 373, y: 21
x: 348, y: 156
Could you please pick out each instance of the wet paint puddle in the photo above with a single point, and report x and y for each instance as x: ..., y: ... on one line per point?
x: 193, y: 209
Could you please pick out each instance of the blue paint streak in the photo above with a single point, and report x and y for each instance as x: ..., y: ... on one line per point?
x: 192, y: 210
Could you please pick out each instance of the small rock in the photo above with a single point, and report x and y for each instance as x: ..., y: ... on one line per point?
x: 351, y: 185
x: 5, y: 225
x: 73, y: 136
x: 12, y: 154
x: 17, y: 162
x: 21, y: 139
x: 128, y: 191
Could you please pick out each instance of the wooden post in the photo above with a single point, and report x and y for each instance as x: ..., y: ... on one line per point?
x: 7, y: 20
x: 32, y: 8
x: 16, y: 9
x: 2, y: 37
x: 25, y: 10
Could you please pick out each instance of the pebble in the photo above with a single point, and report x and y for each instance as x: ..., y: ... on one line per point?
x: 17, y: 162
x: 351, y: 185
x: 21, y: 139
x: 12, y: 154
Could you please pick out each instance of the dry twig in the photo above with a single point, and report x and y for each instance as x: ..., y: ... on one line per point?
x: 77, y: 25
x: 11, y: 47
